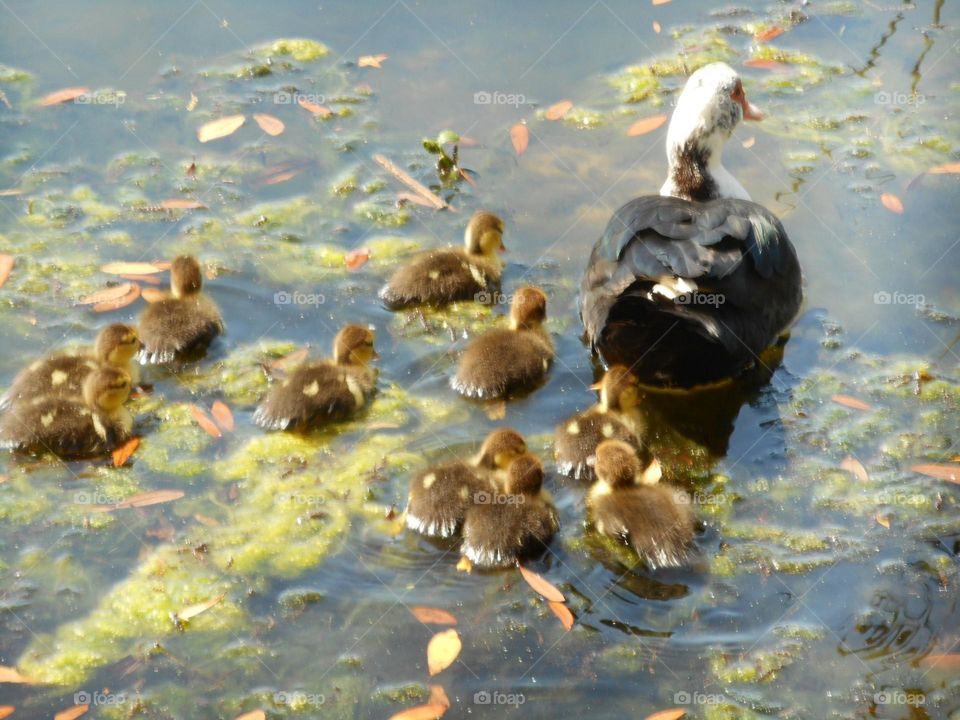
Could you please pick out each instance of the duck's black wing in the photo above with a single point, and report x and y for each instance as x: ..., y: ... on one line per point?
x: 686, y: 292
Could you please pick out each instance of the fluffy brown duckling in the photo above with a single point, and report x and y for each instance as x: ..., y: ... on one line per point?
x: 613, y: 418
x: 440, y: 495
x: 504, y: 360
x: 317, y: 393
x: 501, y: 528
x: 438, y: 277
x: 655, y: 519
x: 185, y: 322
x: 73, y: 426
x: 62, y: 374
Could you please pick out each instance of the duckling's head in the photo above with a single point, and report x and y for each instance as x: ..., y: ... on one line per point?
x: 617, y: 464
x: 619, y: 389
x: 117, y: 344
x: 185, y: 276
x: 484, y: 234
x: 529, y: 309
x: 500, y: 448
x: 106, y: 388
x: 524, y: 476
x: 353, y: 345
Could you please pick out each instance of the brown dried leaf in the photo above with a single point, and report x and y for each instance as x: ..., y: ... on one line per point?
x: 671, y: 714
x: 763, y: 64
x: 442, y: 650
x: 133, y: 292
x: 547, y: 589
x: 123, y: 453
x: 314, y: 108
x: 281, y: 177
x: 520, y: 137
x: 942, y: 661
x: 439, y: 696
x: 6, y: 266
x: 221, y: 127
x: 206, y: 520
x: 269, y: 124
x: 850, y: 402
x: 72, y: 713
x: 371, y: 60
x: 355, y: 259
x: 563, y: 613
x: 892, y: 203
x: 940, y: 471
x: 6, y: 711
x: 201, y: 418
x: 945, y: 169
x: 144, y: 499
x: 191, y: 611
x: 62, y: 96
x: 152, y: 295
x: 430, y: 711
x: 433, y: 616
x: 221, y: 413
x: 252, y: 715
x: 132, y: 268
x: 558, y: 110
x: 769, y: 34
x: 645, y: 125
x: 107, y: 294
x: 181, y: 204
x: 12, y: 675
x: 854, y: 466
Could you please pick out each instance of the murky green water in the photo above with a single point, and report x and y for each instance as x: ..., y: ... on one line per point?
x: 801, y: 605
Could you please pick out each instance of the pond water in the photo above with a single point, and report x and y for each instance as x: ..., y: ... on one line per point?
x: 815, y: 593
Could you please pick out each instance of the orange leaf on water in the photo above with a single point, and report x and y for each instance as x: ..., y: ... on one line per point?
x: 221, y: 413
x: 442, y: 650
x: 850, y: 402
x: 892, y: 203
x: 763, y: 64
x: 132, y: 293
x: 547, y: 589
x: 659, y: 2
x: 945, y: 169
x: 645, y: 125
x: 671, y: 714
x: 355, y: 259
x: 181, y: 204
x: 430, y: 711
x: 940, y: 471
x: 563, y: 613
x: 558, y: 110
x: 12, y: 675
x: 201, y: 418
x: 106, y: 294
x: 281, y: 177
x: 6, y: 266
x: 6, y: 711
x: 62, y: 96
x: 520, y: 137
x: 123, y: 453
x: 768, y: 34
x: 439, y: 696
x: 192, y: 611
x: 72, y: 713
x: 132, y: 268
x: 854, y: 466
x: 314, y: 108
x: 371, y: 60
x: 433, y: 616
x: 269, y: 124
x: 221, y: 127
x: 152, y: 295
x: 252, y: 715
x: 942, y: 661
x: 749, y: 142
x: 144, y: 499
x: 10, y: 192
x: 656, y: 27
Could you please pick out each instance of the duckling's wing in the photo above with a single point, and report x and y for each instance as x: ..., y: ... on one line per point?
x: 438, y: 277
x: 310, y: 395
x: 439, y: 498
x: 576, y: 440
x: 59, y: 375
x: 177, y: 325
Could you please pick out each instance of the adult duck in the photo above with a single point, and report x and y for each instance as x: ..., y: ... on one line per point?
x: 690, y: 286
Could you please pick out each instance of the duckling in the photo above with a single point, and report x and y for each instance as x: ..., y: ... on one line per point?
x: 576, y: 439
x: 316, y: 393
x: 499, y: 529
x: 73, y: 427
x: 438, y: 277
x: 185, y: 322
x: 656, y: 520
x: 503, y: 360
x: 62, y: 374
x: 440, y: 495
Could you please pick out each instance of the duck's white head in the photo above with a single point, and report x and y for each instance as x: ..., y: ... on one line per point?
x: 707, y: 111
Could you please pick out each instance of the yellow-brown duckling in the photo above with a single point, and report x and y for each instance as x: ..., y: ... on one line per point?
x: 505, y: 360
x: 440, y: 495
x: 73, y: 426
x: 500, y: 528
x: 613, y: 418
x: 655, y: 519
x: 316, y: 393
x: 438, y: 277
x: 186, y: 322
x: 62, y: 374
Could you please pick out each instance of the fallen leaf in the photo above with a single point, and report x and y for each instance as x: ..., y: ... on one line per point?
x: 520, y: 137
x: 132, y: 268
x: 442, y: 650
x: 940, y: 471
x: 221, y: 127
x: 191, y: 611
x: 547, y: 589
x: 659, y: 2
x: 123, y: 453
x: 144, y: 499
x: 430, y: 711
x: 371, y: 60
x: 203, y: 420
x: 749, y: 142
x: 115, y: 302
x: 181, y: 204
x: 768, y: 34
x: 850, y: 402
x: 107, y: 294
x: 763, y: 64
x: 883, y: 520
x: 10, y: 192
x: 12, y: 675
x: 194, y: 101
x: 62, y: 96
x: 892, y: 203
x: 439, y: 696
x: 152, y: 295
x: 221, y: 413
x: 433, y: 616
x: 6, y: 266
x: 671, y: 714
x: 294, y: 358
x: 252, y: 715
x: 464, y: 564
x: 945, y: 169
x: 645, y: 125
x: 656, y: 27
x: 854, y: 466
x: 314, y: 108
x: 942, y: 661
x: 558, y: 110
x: 357, y: 258
x: 206, y: 520
x: 415, y: 185
x: 281, y: 177
x: 72, y: 713
x: 269, y: 124
x: 6, y: 711
x: 563, y: 613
